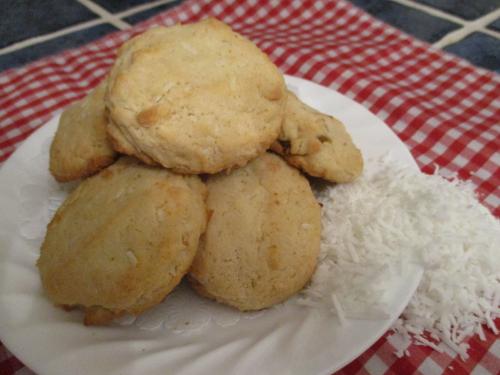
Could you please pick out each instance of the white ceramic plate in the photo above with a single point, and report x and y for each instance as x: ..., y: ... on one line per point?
x: 185, y: 334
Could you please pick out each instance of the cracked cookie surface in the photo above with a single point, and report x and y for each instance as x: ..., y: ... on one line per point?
x: 262, y: 238
x: 317, y: 144
x: 122, y: 240
x: 196, y: 98
x: 80, y: 146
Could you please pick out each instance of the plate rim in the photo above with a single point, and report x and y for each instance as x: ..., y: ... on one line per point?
x: 292, y: 81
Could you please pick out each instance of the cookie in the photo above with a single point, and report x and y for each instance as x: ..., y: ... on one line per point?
x: 80, y: 147
x: 196, y: 98
x: 122, y: 240
x: 262, y: 238
x: 317, y: 144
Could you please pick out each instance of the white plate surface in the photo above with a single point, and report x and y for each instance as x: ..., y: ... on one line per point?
x: 185, y: 334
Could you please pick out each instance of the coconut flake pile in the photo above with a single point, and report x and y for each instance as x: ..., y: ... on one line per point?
x: 376, y: 226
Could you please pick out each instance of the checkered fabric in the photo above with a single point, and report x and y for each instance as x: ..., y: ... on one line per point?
x: 446, y: 111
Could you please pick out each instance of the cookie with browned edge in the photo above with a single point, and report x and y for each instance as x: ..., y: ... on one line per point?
x: 80, y: 147
x: 317, y: 144
x: 195, y: 98
x: 262, y: 238
x: 122, y: 240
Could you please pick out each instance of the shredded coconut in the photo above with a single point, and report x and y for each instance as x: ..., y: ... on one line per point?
x: 374, y: 227
x: 132, y: 258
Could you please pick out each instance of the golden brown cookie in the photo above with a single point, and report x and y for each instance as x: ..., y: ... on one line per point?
x: 80, y: 147
x: 122, y: 240
x: 317, y: 144
x: 196, y: 98
x: 262, y: 238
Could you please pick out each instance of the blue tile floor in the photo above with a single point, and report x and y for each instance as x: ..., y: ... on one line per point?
x: 23, y: 22
x: 466, y: 9
x: 24, y: 19
x: 495, y: 25
x: 480, y: 49
x: 50, y: 47
x: 412, y: 21
x: 115, y: 6
x: 142, y: 16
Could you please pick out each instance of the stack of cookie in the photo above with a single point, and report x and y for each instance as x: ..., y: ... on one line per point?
x: 196, y: 109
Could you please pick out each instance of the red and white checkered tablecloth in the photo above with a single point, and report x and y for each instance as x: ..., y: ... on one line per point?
x: 445, y: 110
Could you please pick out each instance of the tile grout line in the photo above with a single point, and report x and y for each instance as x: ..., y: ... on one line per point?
x: 80, y: 26
x: 104, y: 14
x: 490, y: 32
x: 432, y: 11
x: 45, y: 37
x: 115, y: 19
x: 478, y: 24
x: 142, y: 7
